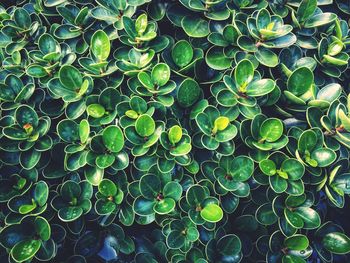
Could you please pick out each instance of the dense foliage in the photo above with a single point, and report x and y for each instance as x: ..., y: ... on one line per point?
x: 174, y: 131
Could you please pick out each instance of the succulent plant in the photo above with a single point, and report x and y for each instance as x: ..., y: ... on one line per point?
x: 191, y: 131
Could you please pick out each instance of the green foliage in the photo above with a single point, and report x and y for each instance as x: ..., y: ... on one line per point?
x: 191, y: 131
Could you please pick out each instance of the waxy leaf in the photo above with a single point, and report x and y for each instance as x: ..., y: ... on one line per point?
x: 212, y: 213
x: 113, y: 138
x: 145, y: 125
x: 337, y: 243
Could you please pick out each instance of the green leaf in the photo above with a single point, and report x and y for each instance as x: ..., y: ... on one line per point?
x: 293, y: 168
x: 195, y: 26
x: 100, y: 45
x: 70, y: 77
x: 300, y: 81
x: 27, y: 208
x: 129, y: 26
x: 188, y: 92
x: 25, y: 250
x: 160, y: 74
x: 260, y: 87
x: 70, y: 189
x: 195, y: 195
x: 145, y: 125
x: 104, y: 208
x: 216, y: 59
x: 68, y: 130
x: 182, y: 53
x: 293, y: 218
x: 141, y: 24
x: 263, y: 19
x: 244, y: 73
x: 84, y: 130
x: 221, y: 124
x: 310, y: 217
x: 42, y: 228
x: 212, y: 213
x: 164, y: 206
x: 93, y: 175
x: 296, y: 242
x: 150, y: 186
x: 113, y: 138
x: 229, y: 245
x: 36, y: 71
x: 107, y: 188
x: 320, y: 20
x: 323, y: 156
x: 96, y: 110
x: 268, y: 167
x: 175, y: 134
x: 278, y: 183
x: 22, y: 18
x: 41, y: 193
x: 337, y: 243
x: 146, y: 80
x: 25, y: 116
x: 182, y: 149
x: 138, y: 104
x: 266, y: 57
x: 131, y: 114
x: 69, y: 214
x: 175, y: 239
x: 47, y: 44
x: 307, y: 141
x: 242, y: 168
x: 271, y: 130
x: 265, y: 215
x: 143, y: 206
x: 173, y: 190
x: 306, y: 9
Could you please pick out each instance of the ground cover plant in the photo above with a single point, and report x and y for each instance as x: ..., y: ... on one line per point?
x: 185, y: 131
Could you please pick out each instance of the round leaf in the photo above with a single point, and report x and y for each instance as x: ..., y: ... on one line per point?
x: 160, y: 74
x: 212, y: 213
x: 107, y: 188
x: 145, y: 125
x: 182, y: 53
x: 300, y: 81
x: 188, y: 93
x: 113, y: 138
x: 271, y: 130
